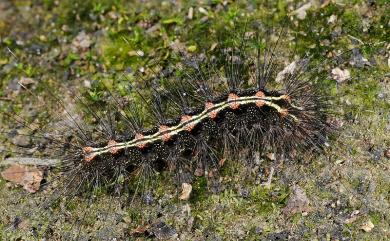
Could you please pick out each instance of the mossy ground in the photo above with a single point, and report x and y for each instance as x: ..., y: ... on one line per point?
x: 347, y: 186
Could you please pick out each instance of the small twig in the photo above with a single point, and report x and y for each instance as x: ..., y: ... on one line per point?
x: 30, y: 161
x: 354, y: 38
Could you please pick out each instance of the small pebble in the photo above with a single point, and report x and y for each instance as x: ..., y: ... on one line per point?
x: 259, y: 230
x: 21, y: 140
x: 376, y: 154
x: 162, y: 231
x: 244, y: 193
x: 148, y: 198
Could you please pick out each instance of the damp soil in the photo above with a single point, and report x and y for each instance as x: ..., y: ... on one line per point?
x: 73, y: 46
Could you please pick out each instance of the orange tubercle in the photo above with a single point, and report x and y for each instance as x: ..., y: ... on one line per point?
x: 88, y: 156
x: 113, y: 148
x: 188, y: 127
x: 234, y: 105
x: 283, y: 112
x: 260, y: 103
x: 166, y: 136
x: 212, y: 114
x: 87, y: 149
x: 140, y: 145
x: 286, y: 98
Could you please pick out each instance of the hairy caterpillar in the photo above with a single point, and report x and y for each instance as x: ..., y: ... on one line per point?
x: 205, y: 112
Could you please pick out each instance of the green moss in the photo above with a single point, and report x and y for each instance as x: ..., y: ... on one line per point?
x: 199, y: 190
x: 268, y: 200
x: 2, y: 183
x: 363, y: 96
x: 72, y: 11
x: 352, y: 22
x: 376, y: 218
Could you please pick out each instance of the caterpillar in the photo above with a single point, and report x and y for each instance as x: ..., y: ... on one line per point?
x: 205, y: 110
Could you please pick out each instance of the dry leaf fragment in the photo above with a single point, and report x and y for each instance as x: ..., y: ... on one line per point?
x: 340, y: 75
x: 186, y: 191
x: 332, y: 19
x: 190, y: 14
x: 301, y: 12
x: 203, y: 11
x: 29, y: 177
x: 25, y: 81
x: 271, y: 156
x: 367, y: 226
x: 221, y: 162
x: 82, y: 42
x: 286, y: 72
x: 387, y: 153
x: 140, y: 229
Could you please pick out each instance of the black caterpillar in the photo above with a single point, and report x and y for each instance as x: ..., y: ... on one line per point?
x: 210, y: 124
